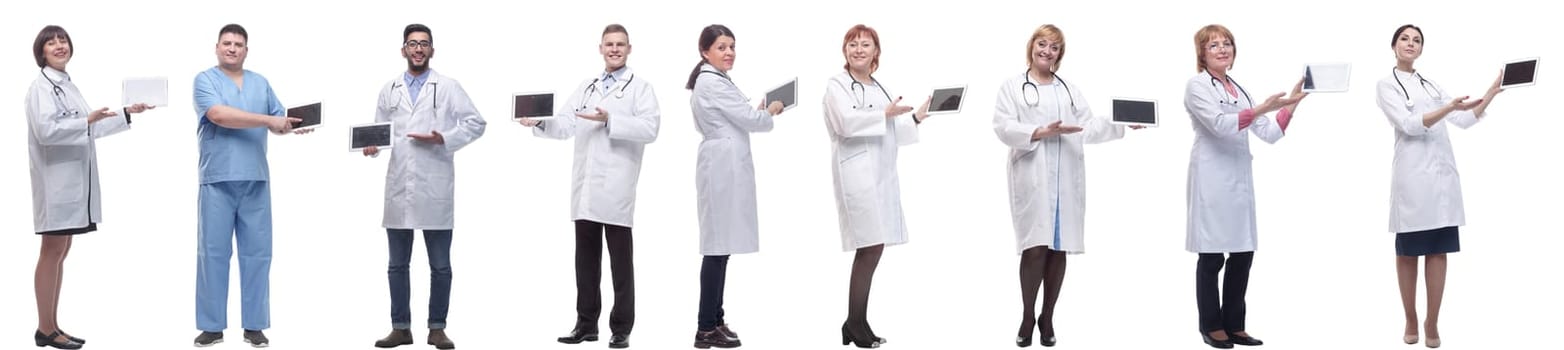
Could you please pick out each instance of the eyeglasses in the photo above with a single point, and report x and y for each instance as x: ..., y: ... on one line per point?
x: 1219, y: 46
x: 417, y: 43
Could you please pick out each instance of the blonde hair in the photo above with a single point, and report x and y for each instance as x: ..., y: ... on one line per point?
x: 1207, y: 34
x: 1047, y: 31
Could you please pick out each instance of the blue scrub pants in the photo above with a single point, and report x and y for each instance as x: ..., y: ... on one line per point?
x: 234, y: 211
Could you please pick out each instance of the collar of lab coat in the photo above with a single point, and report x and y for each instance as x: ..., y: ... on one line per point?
x: 713, y: 69
x: 56, y: 75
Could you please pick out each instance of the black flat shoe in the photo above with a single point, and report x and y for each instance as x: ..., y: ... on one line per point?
x: 49, y: 340
x: 73, y: 338
x: 619, y: 341
x: 577, y: 336
x: 1244, y: 340
x: 1219, y: 344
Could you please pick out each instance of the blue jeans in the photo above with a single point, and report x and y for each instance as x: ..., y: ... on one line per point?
x: 228, y: 212
x: 438, y: 242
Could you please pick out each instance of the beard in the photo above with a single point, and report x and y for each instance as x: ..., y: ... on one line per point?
x: 416, y: 68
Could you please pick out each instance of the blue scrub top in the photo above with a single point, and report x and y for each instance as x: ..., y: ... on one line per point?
x: 233, y: 154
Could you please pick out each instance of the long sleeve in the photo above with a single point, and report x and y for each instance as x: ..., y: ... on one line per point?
x: 1095, y: 129
x: 1462, y: 119
x: 112, y: 125
x: 1007, y: 122
x: 50, y: 124
x: 906, y: 129
x: 1392, y: 103
x: 1207, y: 111
x: 469, y: 125
x: 723, y: 96
x: 1266, y: 129
x: 848, y: 122
x: 641, y: 126
x: 563, y: 125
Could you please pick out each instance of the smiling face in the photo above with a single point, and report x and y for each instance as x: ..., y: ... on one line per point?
x: 1219, y: 53
x: 721, y: 53
x: 57, y: 52
x: 418, y: 50
x: 232, y: 48
x: 615, y: 49
x: 1045, y: 53
x: 862, y: 54
x: 1408, y: 45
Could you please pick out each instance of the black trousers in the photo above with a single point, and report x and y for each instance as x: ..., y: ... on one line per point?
x: 589, y: 276
x: 1229, y: 313
x: 714, y: 276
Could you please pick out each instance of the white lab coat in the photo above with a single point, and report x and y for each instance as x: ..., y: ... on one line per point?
x: 1425, y: 188
x: 607, y: 161
x: 1048, y: 170
x: 724, y: 167
x: 62, y: 155
x: 421, y: 177
x: 863, y: 162
x: 1221, y: 177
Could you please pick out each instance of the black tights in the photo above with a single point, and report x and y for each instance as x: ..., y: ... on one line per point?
x: 1040, y: 267
x: 864, y: 263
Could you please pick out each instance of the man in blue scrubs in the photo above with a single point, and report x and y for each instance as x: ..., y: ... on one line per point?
x: 235, y: 108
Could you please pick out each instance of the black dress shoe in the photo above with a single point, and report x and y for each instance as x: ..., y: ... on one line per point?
x: 1245, y: 340
x: 578, y: 335
x: 619, y: 341
x: 1219, y: 344
x: 440, y: 341
x: 1047, y: 341
x: 1022, y: 342
x: 715, y: 338
x: 49, y: 340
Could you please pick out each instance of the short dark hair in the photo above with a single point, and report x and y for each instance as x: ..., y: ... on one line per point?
x: 1403, y: 28
x: 415, y: 28
x: 50, y: 32
x: 236, y: 29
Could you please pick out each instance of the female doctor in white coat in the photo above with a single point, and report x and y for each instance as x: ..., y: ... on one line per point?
x: 1221, y: 182
x: 1425, y: 189
x: 866, y: 128
x: 724, y: 176
x: 63, y: 158
x: 612, y: 115
x: 1045, y: 121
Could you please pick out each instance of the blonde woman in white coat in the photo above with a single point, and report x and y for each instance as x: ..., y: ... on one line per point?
x: 63, y: 158
x: 1425, y: 190
x: 1045, y: 122
x: 1221, y: 182
x: 724, y: 176
x: 612, y: 116
x: 866, y: 127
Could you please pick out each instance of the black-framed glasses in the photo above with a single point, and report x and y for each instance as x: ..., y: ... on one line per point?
x: 417, y: 43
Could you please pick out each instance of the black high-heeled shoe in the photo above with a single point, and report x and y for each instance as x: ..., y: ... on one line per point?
x: 1022, y: 342
x: 849, y: 338
x: 1046, y: 340
x: 48, y: 340
x: 876, y: 338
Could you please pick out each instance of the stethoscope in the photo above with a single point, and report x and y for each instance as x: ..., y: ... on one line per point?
x: 1036, y: 97
x: 59, y: 95
x: 592, y: 88
x: 1420, y: 81
x: 434, y: 85
x: 861, y: 93
x: 1223, y: 94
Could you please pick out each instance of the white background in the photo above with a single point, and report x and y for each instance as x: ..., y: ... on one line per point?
x: 1323, y: 277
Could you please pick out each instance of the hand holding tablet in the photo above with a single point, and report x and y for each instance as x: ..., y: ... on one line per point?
x: 1326, y: 77
x: 947, y: 100
x: 308, y: 115
x: 787, y: 94
x: 1518, y: 73
x: 1134, y: 112
x: 150, y: 91
x: 369, y: 138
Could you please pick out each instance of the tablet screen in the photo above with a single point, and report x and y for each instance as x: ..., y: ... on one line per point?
x: 310, y: 114
x: 947, y: 100
x: 1520, y: 73
x: 1326, y: 77
x: 378, y: 135
x: 1133, y: 111
x: 532, y: 105
x: 787, y: 94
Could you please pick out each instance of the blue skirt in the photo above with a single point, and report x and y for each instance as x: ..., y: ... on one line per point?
x: 1435, y: 241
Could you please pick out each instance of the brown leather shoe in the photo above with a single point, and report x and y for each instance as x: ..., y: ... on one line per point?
x: 439, y: 340
x: 398, y: 337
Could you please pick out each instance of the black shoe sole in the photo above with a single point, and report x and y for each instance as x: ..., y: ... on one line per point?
x: 577, y: 341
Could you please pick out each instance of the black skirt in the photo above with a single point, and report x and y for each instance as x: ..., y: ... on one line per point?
x: 1436, y: 241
